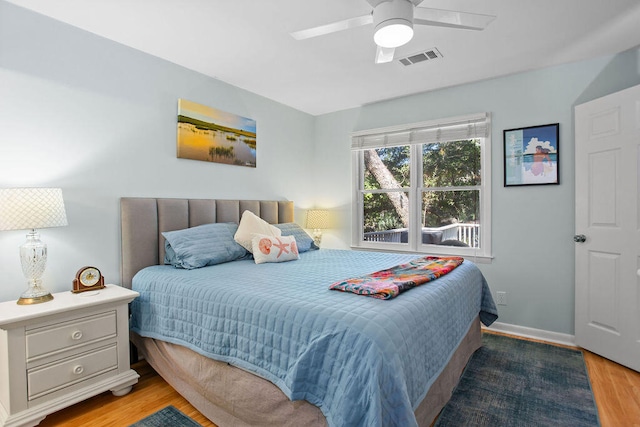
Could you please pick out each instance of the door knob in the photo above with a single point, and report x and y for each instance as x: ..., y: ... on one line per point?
x: 579, y: 238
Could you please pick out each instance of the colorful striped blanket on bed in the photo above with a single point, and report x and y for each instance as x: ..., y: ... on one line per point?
x: 389, y: 283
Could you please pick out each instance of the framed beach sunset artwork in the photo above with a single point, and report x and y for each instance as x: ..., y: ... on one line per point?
x: 211, y: 135
x: 531, y: 155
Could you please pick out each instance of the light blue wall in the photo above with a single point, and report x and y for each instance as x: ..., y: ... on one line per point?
x: 99, y: 120
x: 533, y: 226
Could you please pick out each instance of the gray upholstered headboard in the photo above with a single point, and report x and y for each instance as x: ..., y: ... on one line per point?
x: 142, y: 220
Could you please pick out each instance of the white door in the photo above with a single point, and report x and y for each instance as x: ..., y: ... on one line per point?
x: 608, y: 219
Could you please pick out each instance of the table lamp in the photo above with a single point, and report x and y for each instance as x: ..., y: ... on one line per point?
x: 317, y: 219
x: 29, y: 209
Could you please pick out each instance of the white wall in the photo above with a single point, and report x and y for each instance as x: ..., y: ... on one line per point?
x: 99, y: 120
x: 533, y: 226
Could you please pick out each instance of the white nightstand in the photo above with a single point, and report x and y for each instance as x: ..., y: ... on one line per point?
x: 61, y: 352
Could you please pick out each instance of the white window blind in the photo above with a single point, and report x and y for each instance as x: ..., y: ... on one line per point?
x: 453, y: 129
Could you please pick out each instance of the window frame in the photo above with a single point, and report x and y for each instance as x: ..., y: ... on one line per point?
x: 403, y: 135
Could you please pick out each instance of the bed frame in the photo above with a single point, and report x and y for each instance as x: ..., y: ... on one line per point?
x: 227, y: 395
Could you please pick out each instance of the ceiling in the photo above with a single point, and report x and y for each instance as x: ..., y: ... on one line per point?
x: 246, y: 43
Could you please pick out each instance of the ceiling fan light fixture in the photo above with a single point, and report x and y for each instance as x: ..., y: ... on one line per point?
x: 393, y: 23
x: 393, y: 33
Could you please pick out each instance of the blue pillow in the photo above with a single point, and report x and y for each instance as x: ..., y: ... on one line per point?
x: 303, y: 240
x: 203, y: 245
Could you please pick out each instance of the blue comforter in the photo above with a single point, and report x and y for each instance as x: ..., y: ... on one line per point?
x: 362, y: 361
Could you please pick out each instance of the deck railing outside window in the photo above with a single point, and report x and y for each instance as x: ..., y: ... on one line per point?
x: 467, y: 233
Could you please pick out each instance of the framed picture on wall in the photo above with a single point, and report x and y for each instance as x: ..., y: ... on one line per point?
x: 211, y: 135
x: 531, y: 155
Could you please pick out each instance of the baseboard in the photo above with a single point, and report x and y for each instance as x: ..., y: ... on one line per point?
x: 539, y: 334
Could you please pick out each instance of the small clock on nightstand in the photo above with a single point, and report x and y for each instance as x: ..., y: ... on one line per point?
x: 88, y: 279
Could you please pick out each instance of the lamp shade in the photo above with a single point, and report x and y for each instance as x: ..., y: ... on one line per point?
x: 317, y: 218
x: 31, y: 208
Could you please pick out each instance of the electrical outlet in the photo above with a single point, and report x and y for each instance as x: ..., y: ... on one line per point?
x: 501, y: 298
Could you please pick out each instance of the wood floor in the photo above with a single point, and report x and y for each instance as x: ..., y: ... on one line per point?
x: 151, y: 394
x: 616, y: 390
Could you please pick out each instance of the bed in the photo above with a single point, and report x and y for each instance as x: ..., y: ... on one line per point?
x: 269, y: 344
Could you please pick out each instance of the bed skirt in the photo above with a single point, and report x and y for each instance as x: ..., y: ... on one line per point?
x: 232, y: 397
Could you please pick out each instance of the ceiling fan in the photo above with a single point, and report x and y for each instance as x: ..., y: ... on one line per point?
x: 393, y: 24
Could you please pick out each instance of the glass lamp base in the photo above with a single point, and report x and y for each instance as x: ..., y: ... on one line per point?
x: 35, y: 294
x: 33, y: 256
x: 28, y: 300
x: 317, y: 236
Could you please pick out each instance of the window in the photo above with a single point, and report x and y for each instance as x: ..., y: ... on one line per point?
x: 424, y: 187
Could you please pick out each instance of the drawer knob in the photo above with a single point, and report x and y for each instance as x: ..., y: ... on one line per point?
x: 78, y: 370
x: 76, y: 335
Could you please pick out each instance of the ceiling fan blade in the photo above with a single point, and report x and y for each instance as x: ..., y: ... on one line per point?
x: 451, y: 19
x: 333, y: 27
x: 375, y: 3
x: 384, y: 54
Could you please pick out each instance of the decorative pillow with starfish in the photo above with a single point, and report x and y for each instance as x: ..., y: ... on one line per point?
x: 274, y: 248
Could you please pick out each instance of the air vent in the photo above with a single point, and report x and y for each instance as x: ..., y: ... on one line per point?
x: 416, y: 58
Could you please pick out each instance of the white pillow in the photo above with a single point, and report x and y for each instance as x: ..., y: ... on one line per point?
x: 250, y: 225
x: 274, y: 248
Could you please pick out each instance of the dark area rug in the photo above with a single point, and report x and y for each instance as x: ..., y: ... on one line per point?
x: 167, y: 417
x: 511, y: 382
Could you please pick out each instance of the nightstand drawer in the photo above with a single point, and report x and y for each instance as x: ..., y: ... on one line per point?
x: 49, y: 378
x: 62, y: 336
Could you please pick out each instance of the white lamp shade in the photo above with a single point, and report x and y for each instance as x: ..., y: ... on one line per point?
x: 317, y: 218
x: 31, y: 208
